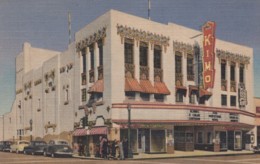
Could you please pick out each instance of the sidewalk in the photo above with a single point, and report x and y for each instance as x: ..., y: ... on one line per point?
x: 180, y: 154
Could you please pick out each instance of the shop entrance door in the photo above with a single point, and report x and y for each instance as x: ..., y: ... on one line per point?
x: 143, y: 140
x: 223, y: 140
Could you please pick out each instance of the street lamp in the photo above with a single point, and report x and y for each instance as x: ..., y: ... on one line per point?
x: 30, y: 129
x: 85, y: 123
x: 130, y: 154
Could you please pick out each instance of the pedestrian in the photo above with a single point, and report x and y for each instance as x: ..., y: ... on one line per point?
x: 113, y: 148
x: 125, y: 147
x: 121, y: 150
x: 101, y: 146
x: 104, y: 152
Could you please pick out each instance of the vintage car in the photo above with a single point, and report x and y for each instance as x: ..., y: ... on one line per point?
x: 35, y: 147
x: 18, y: 146
x: 256, y: 149
x: 5, y: 145
x: 57, y: 148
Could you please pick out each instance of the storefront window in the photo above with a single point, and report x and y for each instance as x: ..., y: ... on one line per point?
x: 238, y: 140
x: 209, y: 138
x: 200, y: 137
x: 189, y: 137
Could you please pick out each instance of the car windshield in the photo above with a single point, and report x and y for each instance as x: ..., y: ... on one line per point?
x: 39, y: 143
x: 62, y: 143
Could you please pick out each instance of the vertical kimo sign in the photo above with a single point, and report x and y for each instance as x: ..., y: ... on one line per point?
x: 209, y: 54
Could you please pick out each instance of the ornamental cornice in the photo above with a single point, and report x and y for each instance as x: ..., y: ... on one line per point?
x: 233, y: 57
x: 100, y: 34
x: 141, y: 35
x: 181, y: 46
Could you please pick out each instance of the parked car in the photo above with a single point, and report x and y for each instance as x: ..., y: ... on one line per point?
x: 5, y: 145
x: 257, y: 149
x: 35, y: 147
x: 18, y: 146
x: 57, y: 148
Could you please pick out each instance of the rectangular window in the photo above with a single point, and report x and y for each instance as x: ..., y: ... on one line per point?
x: 209, y: 138
x: 84, y: 67
x: 91, y: 50
x: 192, y: 98
x: 224, y: 100
x: 100, y: 48
x: 200, y: 138
x: 232, y: 71
x: 130, y: 95
x: 190, y: 70
x: 179, y: 96
x: 241, y: 73
x: 129, y: 53
x: 143, y: 51
x: 178, y: 63
x: 233, y: 100
x: 145, y: 96
x: 159, y: 97
x: 157, y: 56
x: 223, y: 70
x: 84, y: 95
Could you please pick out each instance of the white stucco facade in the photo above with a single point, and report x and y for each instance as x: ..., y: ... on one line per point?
x: 56, y: 89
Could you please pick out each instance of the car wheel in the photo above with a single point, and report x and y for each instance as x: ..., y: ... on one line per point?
x: 32, y: 153
x: 52, y: 155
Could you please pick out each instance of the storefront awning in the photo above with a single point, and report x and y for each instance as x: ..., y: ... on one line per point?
x: 97, y: 87
x: 147, y: 86
x: 132, y: 85
x: 205, y: 93
x: 80, y: 132
x: 182, y: 89
x: 98, y: 131
x: 161, y: 88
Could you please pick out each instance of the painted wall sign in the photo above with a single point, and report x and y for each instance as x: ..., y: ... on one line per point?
x: 209, y: 54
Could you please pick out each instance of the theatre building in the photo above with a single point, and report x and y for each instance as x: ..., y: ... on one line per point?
x: 153, y: 69
x: 183, y: 89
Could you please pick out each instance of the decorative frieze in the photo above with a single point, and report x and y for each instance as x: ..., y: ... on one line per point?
x: 49, y: 80
x: 140, y: 35
x: 37, y: 82
x: 233, y: 57
x: 100, y: 34
x: 180, y: 46
x: 68, y: 67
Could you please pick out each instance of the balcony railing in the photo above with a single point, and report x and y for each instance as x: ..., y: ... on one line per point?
x: 223, y: 85
x: 232, y: 86
x: 144, y: 72
x: 158, y: 74
x: 129, y: 70
x: 83, y: 78
x: 178, y: 79
x: 100, y: 72
x: 91, y: 76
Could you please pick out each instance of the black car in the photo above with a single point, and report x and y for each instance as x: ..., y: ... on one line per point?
x: 257, y: 149
x: 5, y: 145
x: 35, y: 147
x: 58, y: 150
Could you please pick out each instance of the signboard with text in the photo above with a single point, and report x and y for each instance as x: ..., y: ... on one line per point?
x: 209, y: 54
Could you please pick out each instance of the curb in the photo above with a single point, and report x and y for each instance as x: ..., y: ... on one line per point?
x: 152, y: 158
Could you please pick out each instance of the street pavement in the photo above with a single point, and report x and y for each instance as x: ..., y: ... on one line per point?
x: 12, y: 158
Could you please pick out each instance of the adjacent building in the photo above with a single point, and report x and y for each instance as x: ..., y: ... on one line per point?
x: 121, y: 62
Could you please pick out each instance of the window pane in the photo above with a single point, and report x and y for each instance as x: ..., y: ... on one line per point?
x: 232, y: 100
x: 157, y: 58
x: 143, y: 50
x: 129, y: 52
x: 224, y: 100
x: 223, y: 69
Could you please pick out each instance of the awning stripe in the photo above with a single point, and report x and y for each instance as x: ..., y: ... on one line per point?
x: 147, y: 86
x: 98, y: 131
x: 161, y: 88
x: 132, y: 85
x: 80, y: 132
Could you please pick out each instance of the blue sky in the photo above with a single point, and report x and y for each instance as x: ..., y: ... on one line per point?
x: 43, y: 23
